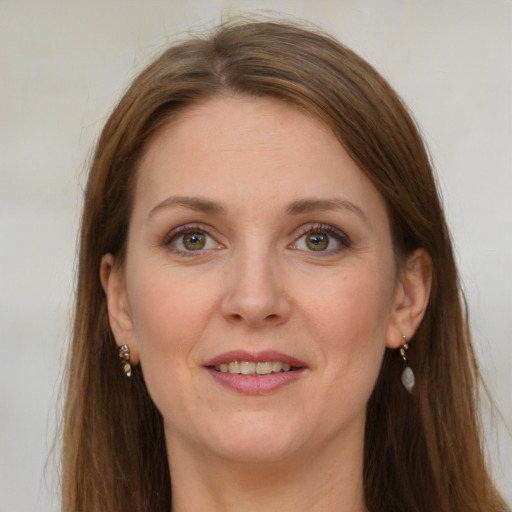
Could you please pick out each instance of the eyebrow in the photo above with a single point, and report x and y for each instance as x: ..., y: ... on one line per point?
x: 310, y: 205
x: 298, y: 207
x: 197, y: 204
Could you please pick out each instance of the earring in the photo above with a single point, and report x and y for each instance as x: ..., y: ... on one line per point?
x: 124, y: 356
x: 407, y: 374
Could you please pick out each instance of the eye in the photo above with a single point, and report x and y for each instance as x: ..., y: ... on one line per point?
x: 188, y: 239
x: 321, y: 238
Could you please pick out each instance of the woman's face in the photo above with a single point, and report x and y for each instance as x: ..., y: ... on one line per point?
x: 256, y: 245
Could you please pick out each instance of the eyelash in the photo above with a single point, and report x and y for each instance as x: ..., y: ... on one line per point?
x: 341, y: 238
x: 183, y: 230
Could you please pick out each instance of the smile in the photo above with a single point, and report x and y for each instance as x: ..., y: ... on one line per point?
x: 252, y: 368
x: 256, y: 373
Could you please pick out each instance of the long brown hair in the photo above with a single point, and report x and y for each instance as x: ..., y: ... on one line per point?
x: 423, y: 450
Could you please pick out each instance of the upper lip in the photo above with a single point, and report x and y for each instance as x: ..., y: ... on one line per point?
x: 255, y: 357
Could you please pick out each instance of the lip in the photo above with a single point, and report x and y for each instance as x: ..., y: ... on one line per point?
x: 252, y: 384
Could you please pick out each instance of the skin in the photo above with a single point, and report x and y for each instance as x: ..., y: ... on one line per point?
x: 257, y: 285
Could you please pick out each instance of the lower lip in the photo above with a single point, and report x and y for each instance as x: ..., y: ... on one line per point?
x: 256, y: 385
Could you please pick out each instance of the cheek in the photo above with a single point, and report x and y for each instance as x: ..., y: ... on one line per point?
x: 349, y: 317
x: 354, y: 303
x: 169, y: 314
x: 169, y: 319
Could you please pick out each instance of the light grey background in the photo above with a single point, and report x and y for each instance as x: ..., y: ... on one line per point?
x: 63, y: 66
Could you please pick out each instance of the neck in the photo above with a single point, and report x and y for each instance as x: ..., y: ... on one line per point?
x: 324, y: 481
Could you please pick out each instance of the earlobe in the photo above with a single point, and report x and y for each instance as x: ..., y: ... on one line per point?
x: 119, y: 314
x: 411, y: 298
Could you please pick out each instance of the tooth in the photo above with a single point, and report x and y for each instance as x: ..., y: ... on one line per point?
x: 252, y: 368
x: 234, y: 367
x: 247, y: 368
x: 264, y: 368
x: 277, y: 366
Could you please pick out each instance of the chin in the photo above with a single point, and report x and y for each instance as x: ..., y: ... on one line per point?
x: 256, y: 437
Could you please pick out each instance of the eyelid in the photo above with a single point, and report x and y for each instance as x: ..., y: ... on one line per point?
x: 187, y: 228
x: 341, y: 237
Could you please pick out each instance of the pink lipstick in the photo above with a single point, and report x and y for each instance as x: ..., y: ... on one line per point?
x: 255, y: 373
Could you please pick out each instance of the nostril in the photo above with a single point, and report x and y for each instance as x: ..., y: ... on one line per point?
x: 256, y: 309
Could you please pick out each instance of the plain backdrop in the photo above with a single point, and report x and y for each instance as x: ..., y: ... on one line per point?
x: 63, y: 65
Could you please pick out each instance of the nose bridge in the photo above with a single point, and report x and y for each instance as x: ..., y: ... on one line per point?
x: 255, y: 291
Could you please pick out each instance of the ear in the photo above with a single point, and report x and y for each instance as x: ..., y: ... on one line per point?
x: 119, y: 314
x: 411, y: 298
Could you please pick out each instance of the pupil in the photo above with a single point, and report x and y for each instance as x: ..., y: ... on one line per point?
x: 194, y: 241
x: 317, y: 242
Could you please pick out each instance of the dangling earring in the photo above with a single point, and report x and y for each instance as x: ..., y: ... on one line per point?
x: 407, y: 374
x: 124, y: 356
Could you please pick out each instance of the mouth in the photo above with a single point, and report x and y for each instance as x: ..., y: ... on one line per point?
x: 256, y: 373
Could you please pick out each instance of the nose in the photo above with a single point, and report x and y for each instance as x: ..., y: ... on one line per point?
x: 255, y: 293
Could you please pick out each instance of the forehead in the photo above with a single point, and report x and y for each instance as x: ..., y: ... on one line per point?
x: 249, y: 149
x: 240, y: 124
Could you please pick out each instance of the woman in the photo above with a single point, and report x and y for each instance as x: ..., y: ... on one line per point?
x: 268, y: 311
